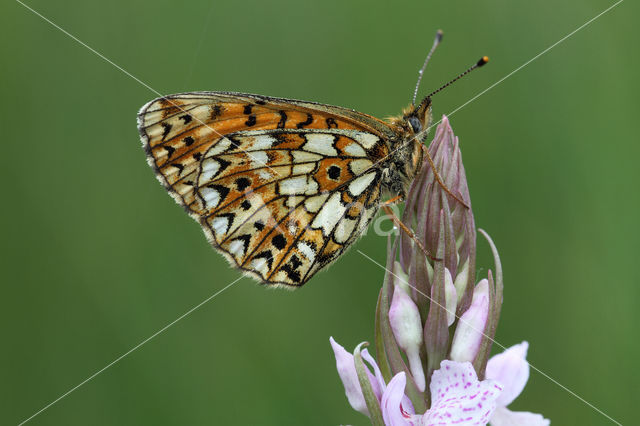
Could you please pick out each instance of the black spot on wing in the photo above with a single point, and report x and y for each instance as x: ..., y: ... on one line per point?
x: 245, y: 205
x: 291, y: 269
x: 170, y: 150
x: 308, y: 121
x: 331, y: 123
x: 251, y: 121
x: 234, y: 142
x: 334, y: 172
x: 242, y: 183
x: 283, y: 119
x: 279, y: 241
x: 166, y: 128
x: 216, y: 110
x: 247, y: 109
x: 178, y: 166
x: 188, y: 141
x: 222, y: 190
x: 186, y: 118
x: 325, y: 259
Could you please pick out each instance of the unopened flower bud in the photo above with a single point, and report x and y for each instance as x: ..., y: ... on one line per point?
x: 461, y: 280
x: 450, y: 296
x: 470, y: 329
x: 400, y: 278
x: 407, y: 329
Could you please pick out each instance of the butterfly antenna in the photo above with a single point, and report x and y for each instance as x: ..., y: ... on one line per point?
x: 436, y: 42
x: 478, y: 64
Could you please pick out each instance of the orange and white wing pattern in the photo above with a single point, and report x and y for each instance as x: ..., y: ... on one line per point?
x: 280, y: 187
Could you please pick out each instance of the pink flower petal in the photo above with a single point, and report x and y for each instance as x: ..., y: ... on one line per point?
x: 503, y: 417
x: 347, y: 372
x: 511, y: 369
x: 391, y: 404
x: 459, y: 398
x: 378, y: 374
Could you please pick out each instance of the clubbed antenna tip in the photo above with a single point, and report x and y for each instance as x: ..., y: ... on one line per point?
x: 478, y: 64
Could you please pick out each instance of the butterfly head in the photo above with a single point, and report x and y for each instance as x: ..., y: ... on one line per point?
x: 418, y: 118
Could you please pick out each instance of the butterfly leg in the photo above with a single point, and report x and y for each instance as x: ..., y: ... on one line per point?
x: 405, y: 229
x: 439, y: 179
x: 394, y: 200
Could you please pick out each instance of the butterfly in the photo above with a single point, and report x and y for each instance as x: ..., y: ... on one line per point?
x: 281, y: 187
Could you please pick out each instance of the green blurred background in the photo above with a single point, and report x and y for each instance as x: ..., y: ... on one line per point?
x: 96, y: 257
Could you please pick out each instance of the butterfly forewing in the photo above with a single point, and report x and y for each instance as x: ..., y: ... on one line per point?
x: 280, y: 187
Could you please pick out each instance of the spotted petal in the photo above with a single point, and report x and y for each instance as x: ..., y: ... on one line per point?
x: 459, y: 398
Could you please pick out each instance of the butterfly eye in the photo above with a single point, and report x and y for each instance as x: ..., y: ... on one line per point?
x: 416, y: 125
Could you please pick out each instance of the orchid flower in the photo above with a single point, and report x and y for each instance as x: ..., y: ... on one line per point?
x: 458, y: 397
x: 434, y: 324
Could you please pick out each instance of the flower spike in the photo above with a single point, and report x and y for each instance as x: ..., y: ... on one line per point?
x: 434, y: 326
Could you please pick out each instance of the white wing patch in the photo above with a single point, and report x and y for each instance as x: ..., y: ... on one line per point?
x: 236, y: 248
x: 210, y: 168
x: 359, y: 184
x: 257, y: 142
x: 305, y: 157
x: 220, y: 147
x: 211, y: 197
x: 359, y: 166
x: 220, y: 225
x: 329, y: 215
x: 320, y: 143
x: 298, y: 185
x: 258, y: 158
x: 307, y: 251
x: 302, y: 169
x: 355, y: 150
x: 313, y: 204
x: 367, y: 140
x: 344, y: 230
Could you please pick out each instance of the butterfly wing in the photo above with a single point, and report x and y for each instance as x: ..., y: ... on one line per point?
x: 281, y: 187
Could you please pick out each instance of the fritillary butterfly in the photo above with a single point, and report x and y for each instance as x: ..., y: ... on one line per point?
x: 281, y: 187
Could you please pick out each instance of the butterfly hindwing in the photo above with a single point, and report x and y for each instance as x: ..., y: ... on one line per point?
x: 280, y: 192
